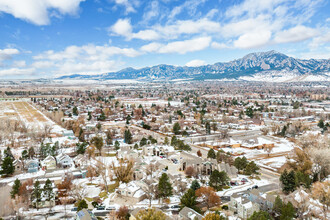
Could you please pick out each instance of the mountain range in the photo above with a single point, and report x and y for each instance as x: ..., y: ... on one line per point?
x: 262, y: 66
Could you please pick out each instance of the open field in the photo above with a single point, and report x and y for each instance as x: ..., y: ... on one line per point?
x: 26, y: 113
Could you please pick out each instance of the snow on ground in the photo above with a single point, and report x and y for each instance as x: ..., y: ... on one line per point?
x: 248, y: 185
x: 92, y: 191
x: 275, y: 162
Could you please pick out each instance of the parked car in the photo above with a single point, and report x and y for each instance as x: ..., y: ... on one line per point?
x: 255, y: 187
x: 110, y: 208
x: 175, y: 207
x: 244, y: 180
x: 74, y: 209
x: 100, y: 208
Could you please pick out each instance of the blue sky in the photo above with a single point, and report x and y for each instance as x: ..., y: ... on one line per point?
x: 50, y: 38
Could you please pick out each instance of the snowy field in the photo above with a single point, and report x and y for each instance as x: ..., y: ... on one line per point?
x: 28, y: 114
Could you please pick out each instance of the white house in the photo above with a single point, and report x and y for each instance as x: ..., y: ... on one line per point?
x: 49, y: 163
x: 64, y: 161
x: 243, y: 207
x: 132, y: 190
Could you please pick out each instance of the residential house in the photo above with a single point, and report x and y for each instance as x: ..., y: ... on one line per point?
x: 64, y: 161
x: 32, y: 166
x: 265, y: 201
x: 243, y: 207
x: 19, y: 165
x: 49, y: 163
x: 85, y: 214
x: 189, y: 214
x: 206, y: 166
x: 158, y: 150
x: 132, y: 190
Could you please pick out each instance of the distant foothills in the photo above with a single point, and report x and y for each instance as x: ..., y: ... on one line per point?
x: 262, y: 66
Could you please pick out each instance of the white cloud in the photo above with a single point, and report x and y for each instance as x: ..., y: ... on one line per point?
x: 219, y: 46
x: 122, y: 27
x: 16, y: 71
x: 7, y: 54
x: 86, y: 59
x: 253, y: 40
x: 19, y: 63
x: 185, y: 46
x: 152, y: 47
x: 152, y: 11
x: 87, y: 52
x: 43, y: 64
x: 320, y: 40
x: 180, y: 47
x: 146, y: 35
x: 128, y: 4
x: 195, y: 63
x: 39, y: 11
x: 167, y: 32
x: 295, y: 34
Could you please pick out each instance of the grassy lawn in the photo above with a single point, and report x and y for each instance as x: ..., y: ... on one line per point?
x: 89, y: 199
x: 109, y: 155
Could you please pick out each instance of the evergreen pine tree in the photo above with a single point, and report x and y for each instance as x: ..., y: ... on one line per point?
x: 208, y: 127
x: 15, y: 189
x: 218, y: 179
x: 195, y: 185
x: 48, y: 190
x: 128, y: 136
x: 288, y: 212
x: 82, y: 205
x: 189, y: 200
x: 176, y: 128
x: 288, y: 181
x: 7, y: 167
x: 211, y: 154
x: 75, y: 111
x: 164, y: 186
x: 36, y: 193
x: 261, y: 215
x: 277, y: 206
x: 117, y: 145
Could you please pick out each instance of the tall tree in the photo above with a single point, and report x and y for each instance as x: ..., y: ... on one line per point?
x: 288, y: 181
x: 195, y: 185
x: 128, y: 136
x: 288, y: 212
x: 214, y: 216
x: 7, y: 167
x: 208, y: 195
x: 75, y: 111
x: 15, y: 189
x: 176, y: 128
x: 240, y: 163
x: 321, y: 192
x: 211, y: 154
x: 218, y: 179
x: 98, y: 142
x: 123, y: 172
x: 36, y: 194
x: 82, y: 205
x: 277, y: 206
x: 189, y: 200
x: 123, y: 213
x: 48, y: 191
x: 208, y: 127
x: 150, y: 214
x: 251, y: 168
x: 261, y: 215
x: 164, y: 186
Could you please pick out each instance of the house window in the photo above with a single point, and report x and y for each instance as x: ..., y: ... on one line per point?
x: 129, y: 193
